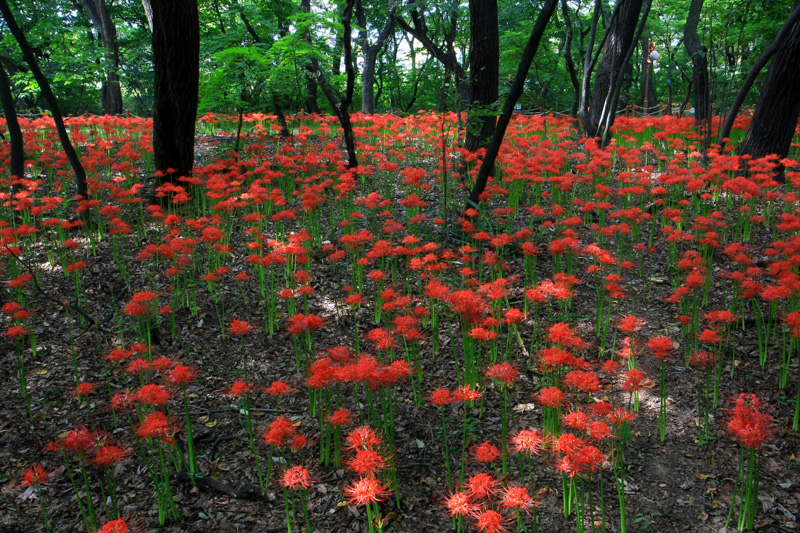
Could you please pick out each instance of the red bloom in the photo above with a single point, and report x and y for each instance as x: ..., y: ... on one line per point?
x: 366, y: 490
x: 630, y: 324
x: 528, y: 441
x: 491, y: 521
x: 152, y: 394
x: 296, y: 477
x: 181, y: 375
x: 115, y: 526
x: 363, y: 437
x: 109, y: 454
x: 552, y: 397
x: 465, y: 393
x: 240, y: 327
x: 486, y: 452
x: 481, y: 485
x: 366, y: 462
x: 459, y: 504
x: 278, y: 388
x: 238, y: 388
x: 280, y: 432
x: 33, y: 476
x: 633, y: 381
x: 502, y: 373
x: 441, y: 397
x: 660, y: 346
x: 749, y: 426
x: 156, y: 426
x: 341, y: 417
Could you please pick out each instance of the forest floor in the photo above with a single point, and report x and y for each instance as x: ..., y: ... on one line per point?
x: 674, y: 485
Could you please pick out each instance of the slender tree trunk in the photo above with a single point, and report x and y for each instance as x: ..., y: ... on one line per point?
x: 369, y: 53
x: 619, y: 41
x: 176, y: 61
x: 775, y: 117
x: 484, y: 72
x: 515, y: 91
x: 341, y: 106
x: 760, y: 63
x: 14, y: 131
x: 573, y: 76
x: 50, y: 98
x: 699, y: 54
x: 101, y: 20
x: 311, y: 83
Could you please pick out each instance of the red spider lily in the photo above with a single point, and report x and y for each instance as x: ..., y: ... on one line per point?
x: 296, y: 478
x: 465, y: 393
x: 481, y: 485
x: 281, y: 432
x: 84, y: 389
x: 34, y: 476
x: 152, y: 394
x: 279, y: 388
x: 660, y: 346
x: 239, y: 388
x: 157, y: 426
x: 490, y: 521
x: 366, y: 490
x: 341, y: 417
x: 441, y: 397
x: 528, y: 441
x: 181, y: 375
x: 551, y: 397
x: 516, y: 497
x: 630, y: 324
x: 367, y: 462
x: 301, y: 323
x: 502, y: 373
x: 748, y: 425
x: 110, y: 454
x: 561, y: 334
x: 634, y: 380
x: 482, y: 334
x: 460, y: 504
x: 240, y: 327
x: 486, y: 452
x: 710, y: 336
x: 363, y: 437
x: 585, y: 381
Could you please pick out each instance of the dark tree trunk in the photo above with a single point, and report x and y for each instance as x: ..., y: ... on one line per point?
x: 794, y: 16
x: 775, y: 117
x: 370, y: 54
x: 311, y: 84
x: 515, y: 91
x: 699, y: 55
x: 573, y: 76
x: 14, y: 132
x: 484, y: 72
x: 176, y: 61
x: 341, y: 106
x: 50, y: 98
x: 101, y: 20
x: 619, y: 41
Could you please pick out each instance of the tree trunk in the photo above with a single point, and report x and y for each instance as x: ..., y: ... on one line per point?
x: 311, y: 84
x: 725, y: 131
x: 101, y: 20
x: 619, y: 40
x: 50, y: 98
x: 14, y: 132
x: 484, y: 72
x: 370, y: 54
x: 176, y: 62
x: 341, y: 106
x: 775, y: 117
x: 699, y: 55
x: 515, y: 91
x: 573, y: 76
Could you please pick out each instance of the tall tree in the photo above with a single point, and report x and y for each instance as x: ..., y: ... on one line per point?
x: 341, y: 105
x: 14, y: 131
x: 370, y: 53
x: 699, y: 54
x: 176, y: 62
x: 775, y: 117
x: 50, y: 98
x: 101, y: 20
x: 484, y: 72
x: 761, y: 62
x: 514, y: 93
x: 620, y: 39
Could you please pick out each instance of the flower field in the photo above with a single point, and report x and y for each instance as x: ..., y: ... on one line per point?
x: 608, y: 342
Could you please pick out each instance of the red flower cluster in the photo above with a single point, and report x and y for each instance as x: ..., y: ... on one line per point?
x: 749, y: 426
